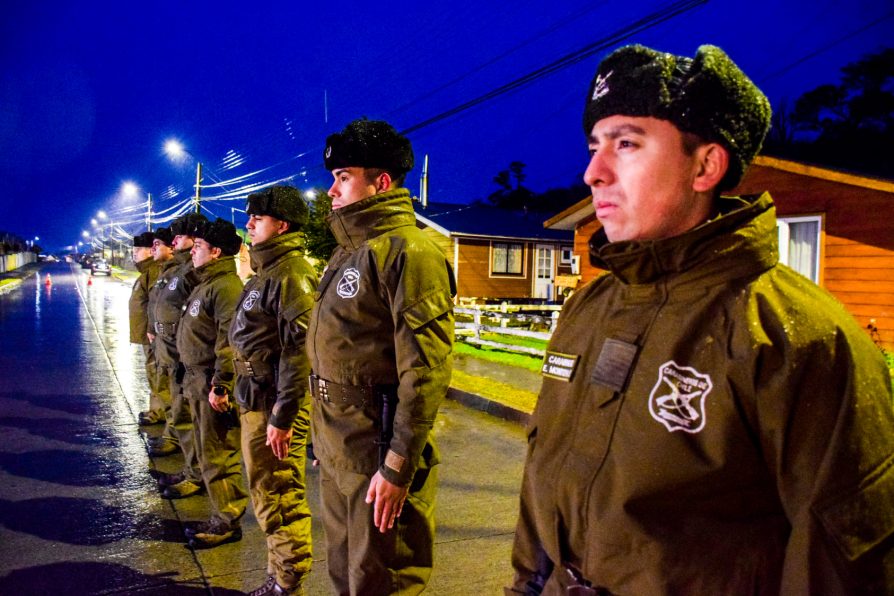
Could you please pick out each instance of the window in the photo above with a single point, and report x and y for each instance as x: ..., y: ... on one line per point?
x: 799, y: 244
x: 566, y: 256
x: 507, y: 258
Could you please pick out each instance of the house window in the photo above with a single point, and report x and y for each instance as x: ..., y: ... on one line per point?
x: 799, y: 244
x: 566, y: 256
x: 507, y: 258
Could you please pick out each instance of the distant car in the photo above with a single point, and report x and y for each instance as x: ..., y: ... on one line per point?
x: 85, y: 261
x: 100, y: 266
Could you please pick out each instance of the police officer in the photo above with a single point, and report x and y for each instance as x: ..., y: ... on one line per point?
x: 379, y: 341
x: 710, y: 421
x: 148, y: 268
x: 167, y: 301
x: 268, y: 336
x: 207, y: 358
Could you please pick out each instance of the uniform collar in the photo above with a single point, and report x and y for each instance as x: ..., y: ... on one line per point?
x: 265, y: 253
x: 742, y: 238
x: 146, y: 265
x: 354, y: 224
x: 217, y: 267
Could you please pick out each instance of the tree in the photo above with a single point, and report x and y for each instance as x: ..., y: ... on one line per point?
x: 507, y: 196
x: 318, y: 239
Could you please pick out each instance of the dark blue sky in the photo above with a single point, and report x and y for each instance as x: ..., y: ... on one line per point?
x: 90, y: 91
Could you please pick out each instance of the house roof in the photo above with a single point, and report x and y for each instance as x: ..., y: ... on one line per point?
x: 485, y: 221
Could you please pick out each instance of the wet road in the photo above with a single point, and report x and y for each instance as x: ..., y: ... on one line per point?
x: 79, y: 512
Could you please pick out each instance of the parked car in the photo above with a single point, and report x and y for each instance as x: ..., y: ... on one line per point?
x: 100, y: 266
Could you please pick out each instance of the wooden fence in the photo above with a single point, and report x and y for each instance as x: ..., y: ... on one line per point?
x: 512, y: 320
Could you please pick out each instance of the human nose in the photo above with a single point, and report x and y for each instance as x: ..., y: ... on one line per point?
x: 332, y: 191
x: 598, y: 172
x: 249, y: 225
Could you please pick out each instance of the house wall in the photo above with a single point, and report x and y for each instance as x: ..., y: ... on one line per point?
x: 474, y: 273
x: 857, y: 258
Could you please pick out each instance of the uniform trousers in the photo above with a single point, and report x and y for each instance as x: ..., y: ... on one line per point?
x: 279, y: 495
x: 159, y: 393
x: 179, y: 424
x: 361, y: 559
x: 216, y: 436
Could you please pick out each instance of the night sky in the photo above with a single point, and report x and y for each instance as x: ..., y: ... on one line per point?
x: 90, y: 91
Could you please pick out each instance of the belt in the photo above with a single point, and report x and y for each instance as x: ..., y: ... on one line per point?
x: 163, y: 328
x: 350, y: 395
x: 252, y: 368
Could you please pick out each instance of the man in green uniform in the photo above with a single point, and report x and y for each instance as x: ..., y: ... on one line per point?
x: 710, y: 421
x: 267, y: 336
x: 207, y: 358
x: 167, y: 299
x: 163, y: 255
x: 380, y: 342
x: 148, y: 268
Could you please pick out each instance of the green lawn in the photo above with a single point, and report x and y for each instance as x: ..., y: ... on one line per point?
x: 496, y: 355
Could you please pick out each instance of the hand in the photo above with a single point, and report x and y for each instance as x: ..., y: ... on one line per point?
x: 151, y: 336
x: 279, y: 441
x: 221, y: 403
x: 389, y: 501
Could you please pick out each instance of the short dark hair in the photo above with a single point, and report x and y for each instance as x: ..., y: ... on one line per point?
x: 372, y: 173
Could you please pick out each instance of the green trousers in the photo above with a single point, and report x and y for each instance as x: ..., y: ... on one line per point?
x: 217, y: 448
x: 361, y: 559
x: 178, y: 423
x: 159, y: 393
x: 279, y: 496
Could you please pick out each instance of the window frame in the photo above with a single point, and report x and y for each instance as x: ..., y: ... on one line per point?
x: 783, y: 233
x: 494, y: 244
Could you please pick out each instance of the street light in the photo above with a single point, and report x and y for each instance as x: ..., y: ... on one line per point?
x: 131, y: 189
x: 177, y: 153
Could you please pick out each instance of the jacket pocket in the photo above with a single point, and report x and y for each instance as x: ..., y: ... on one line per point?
x: 428, y: 308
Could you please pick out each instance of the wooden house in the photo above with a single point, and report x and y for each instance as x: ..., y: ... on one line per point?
x: 835, y: 228
x: 498, y: 253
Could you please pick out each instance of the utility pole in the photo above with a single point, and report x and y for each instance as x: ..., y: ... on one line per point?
x: 423, y: 191
x: 198, y: 200
x: 149, y: 211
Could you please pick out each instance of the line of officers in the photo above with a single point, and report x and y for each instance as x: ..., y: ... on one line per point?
x: 233, y: 369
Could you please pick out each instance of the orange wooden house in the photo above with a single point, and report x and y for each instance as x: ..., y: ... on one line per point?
x: 498, y: 253
x: 835, y: 228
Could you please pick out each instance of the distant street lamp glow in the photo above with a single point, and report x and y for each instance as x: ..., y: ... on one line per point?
x: 175, y: 149
x: 101, y: 214
x: 129, y: 189
x: 310, y: 195
x: 85, y: 234
x: 94, y: 223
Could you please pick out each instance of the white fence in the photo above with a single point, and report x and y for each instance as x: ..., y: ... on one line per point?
x: 514, y: 320
x: 16, y: 260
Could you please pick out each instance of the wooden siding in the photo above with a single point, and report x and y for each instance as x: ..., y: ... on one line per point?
x: 582, y: 233
x: 857, y: 264
x: 475, y: 279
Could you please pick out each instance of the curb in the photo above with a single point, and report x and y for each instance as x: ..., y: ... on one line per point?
x: 10, y: 286
x: 487, y: 406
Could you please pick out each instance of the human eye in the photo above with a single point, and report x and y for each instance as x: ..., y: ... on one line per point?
x: 626, y: 143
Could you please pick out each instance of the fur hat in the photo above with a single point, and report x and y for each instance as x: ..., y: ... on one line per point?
x: 282, y: 202
x: 222, y: 234
x: 143, y: 240
x: 707, y: 95
x: 369, y: 144
x: 165, y: 235
x: 188, y: 225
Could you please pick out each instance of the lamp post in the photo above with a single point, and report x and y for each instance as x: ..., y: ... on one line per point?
x: 177, y: 152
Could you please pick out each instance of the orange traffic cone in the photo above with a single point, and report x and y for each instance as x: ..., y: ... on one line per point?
x: 49, y: 281
x: 89, y: 280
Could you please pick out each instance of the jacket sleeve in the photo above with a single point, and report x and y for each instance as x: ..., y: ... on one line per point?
x: 421, y: 290
x: 225, y: 299
x: 295, y: 300
x: 824, y: 410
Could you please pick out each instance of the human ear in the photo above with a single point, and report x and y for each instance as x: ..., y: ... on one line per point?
x: 383, y: 182
x: 713, y: 162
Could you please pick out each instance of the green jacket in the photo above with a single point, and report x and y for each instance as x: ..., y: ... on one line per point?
x: 139, y: 300
x: 710, y: 422
x: 202, y: 332
x: 270, y: 326
x: 166, y: 300
x: 383, y: 316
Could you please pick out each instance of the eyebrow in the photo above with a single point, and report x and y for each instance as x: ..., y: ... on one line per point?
x: 618, y: 131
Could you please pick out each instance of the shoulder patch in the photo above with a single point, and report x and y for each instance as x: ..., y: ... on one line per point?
x: 250, y: 300
x: 194, y: 307
x: 349, y: 284
x: 173, y: 285
x: 678, y: 398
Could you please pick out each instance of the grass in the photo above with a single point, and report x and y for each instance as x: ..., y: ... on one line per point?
x: 495, y: 355
x: 516, y: 340
x: 497, y: 391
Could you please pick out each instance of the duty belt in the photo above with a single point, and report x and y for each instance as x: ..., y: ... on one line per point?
x: 252, y: 368
x: 168, y: 329
x: 349, y: 395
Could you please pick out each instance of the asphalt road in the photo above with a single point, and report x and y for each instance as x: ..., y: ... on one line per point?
x: 79, y: 511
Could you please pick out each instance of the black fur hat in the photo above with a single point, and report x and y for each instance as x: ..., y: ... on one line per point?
x: 282, y: 202
x: 369, y: 144
x: 143, y: 240
x: 707, y: 95
x: 222, y: 234
x: 165, y: 235
x: 188, y: 225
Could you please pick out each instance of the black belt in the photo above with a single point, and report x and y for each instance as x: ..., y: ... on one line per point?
x: 162, y: 328
x: 252, y: 368
x: 350, y: 395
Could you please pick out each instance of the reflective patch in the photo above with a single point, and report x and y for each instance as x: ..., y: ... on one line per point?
x: 349, y: 284
x: 394, y: 461
x: 678, y: 399
x: 173, y: 285
x: 559, y: 366
x: 250, y: 300
x: 194, y: 307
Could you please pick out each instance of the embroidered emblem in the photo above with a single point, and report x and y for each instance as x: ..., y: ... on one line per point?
x: 250, y: 300
x: 559, y: 366
x: 349, y: 284
x: 173, y: 285
x: 194, y: 308
x: 678, y: 399
x: 328, y: 151
x: 600, y: 89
